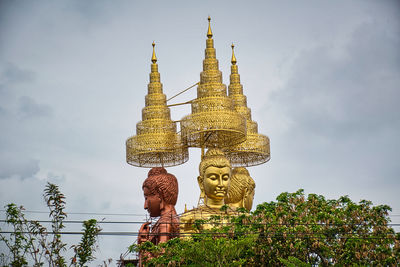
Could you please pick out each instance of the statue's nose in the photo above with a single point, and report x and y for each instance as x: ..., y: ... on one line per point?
x: 145, y: 205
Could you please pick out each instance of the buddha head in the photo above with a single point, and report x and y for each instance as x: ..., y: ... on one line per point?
x: 241, y: 190
x: 160, y: 191
x: 214, y: 178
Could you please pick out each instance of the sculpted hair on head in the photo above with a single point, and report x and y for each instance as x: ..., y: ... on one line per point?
x: 251, y: 184
x: 160, y: 182
x: 214, y: 157
x: 240, y: 180
x: 156, y: 171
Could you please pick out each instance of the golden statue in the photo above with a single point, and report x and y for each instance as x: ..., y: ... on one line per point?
x: 214, y: 181
x: 241, y: 190
x: 219, y: 121
x: 214, y: 178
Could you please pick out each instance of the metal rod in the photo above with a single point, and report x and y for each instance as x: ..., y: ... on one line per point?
x: 183, y: 91
x: 178, y: 104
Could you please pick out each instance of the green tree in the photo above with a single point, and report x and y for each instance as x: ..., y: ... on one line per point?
x: 85, y: 249
x: 295, y: 230
x: 29, y: 241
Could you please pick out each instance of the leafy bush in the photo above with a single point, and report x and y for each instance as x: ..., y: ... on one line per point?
x: 293, y: 231
x: 30, y: 241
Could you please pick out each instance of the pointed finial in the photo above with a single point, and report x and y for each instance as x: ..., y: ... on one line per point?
x: 209, y: 33
x: 154, y: 58
x: 233, y: 60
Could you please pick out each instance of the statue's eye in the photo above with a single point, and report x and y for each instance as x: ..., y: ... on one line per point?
x: 212, y: 177
x: 225, y: 177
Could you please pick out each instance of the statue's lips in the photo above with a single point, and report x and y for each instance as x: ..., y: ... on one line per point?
x: 220, y: 192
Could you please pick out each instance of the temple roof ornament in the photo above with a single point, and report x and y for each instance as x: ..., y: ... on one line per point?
x: 255, y: 150
x: 156, y: 143
x: 154, y: 58
x: 218, y: 119
x: 213, y: 122
x: 209, y: 32
x: 233, y: 60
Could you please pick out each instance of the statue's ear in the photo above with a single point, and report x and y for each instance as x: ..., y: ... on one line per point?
x: 245, y: 195
x: 162, y: 204
x: 200, y: 182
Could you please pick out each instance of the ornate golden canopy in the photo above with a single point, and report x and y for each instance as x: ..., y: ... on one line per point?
x: 213, y: 122
x: 217, y: 120
x: 156, y: 142
x: 255, y: 150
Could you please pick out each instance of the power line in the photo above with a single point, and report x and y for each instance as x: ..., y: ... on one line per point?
x: 111, y: 214
x: 80, y: 222
x: 217, y: 234
x: 213, y: 223
x: 78, y: 233
x: 85, y: 213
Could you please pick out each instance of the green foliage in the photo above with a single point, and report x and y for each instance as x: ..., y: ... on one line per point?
x: 85, y: 249
x: 294, y: 262
x: 55, y: 200
x: 205, y: 251
x: 29, y: 241
x: 17, y: 243
x: 295, y: 230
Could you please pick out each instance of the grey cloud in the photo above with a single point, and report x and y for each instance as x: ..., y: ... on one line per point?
x: 55, y: 178
x: 15, y: 161
x: 106, y: 205
x: 29, y: 108
x: 14, y: 74
x: 353, y: 90
x: 89, y: 9
x: 12, y: 79
x: 344, y: 119
x: 17, y: 166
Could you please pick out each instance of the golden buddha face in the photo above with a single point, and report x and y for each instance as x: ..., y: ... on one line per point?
x: 215, y: 182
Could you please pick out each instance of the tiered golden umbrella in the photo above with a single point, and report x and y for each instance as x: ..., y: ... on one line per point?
x: 255, y: 150
x: 156, y: 142
x: 213, y: 122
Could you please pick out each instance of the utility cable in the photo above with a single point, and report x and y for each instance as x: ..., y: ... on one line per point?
x: 85, y: 213
x: 213, y: 223
x: 278, y: 235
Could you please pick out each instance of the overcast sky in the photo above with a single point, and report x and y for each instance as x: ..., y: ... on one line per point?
x: 322, y: 79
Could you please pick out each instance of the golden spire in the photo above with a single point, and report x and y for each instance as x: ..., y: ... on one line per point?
x: 255, y: 150
x: 213, y: 122
x: 154, y: 58
x: 156, y: 142
x: 233, y: 60
x: 209, y: 32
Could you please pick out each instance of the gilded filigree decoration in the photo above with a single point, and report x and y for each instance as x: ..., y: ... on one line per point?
x: 255, y: 150
x: 213, y: 122
x: 156, y: 143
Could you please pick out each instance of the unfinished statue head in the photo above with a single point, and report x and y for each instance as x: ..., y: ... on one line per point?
x: 214, y: 178
x: 241, y: 190
x: 160, y: 191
